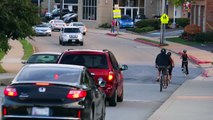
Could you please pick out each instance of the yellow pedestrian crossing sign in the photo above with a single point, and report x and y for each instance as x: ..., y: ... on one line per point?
x: 164, y: 19
x: 116, y: 13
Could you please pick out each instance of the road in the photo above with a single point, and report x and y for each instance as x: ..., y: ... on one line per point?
x: 141, y: 92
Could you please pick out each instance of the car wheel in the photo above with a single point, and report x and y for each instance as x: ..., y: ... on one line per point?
x: 120, y: 98
x: 84, y: 33
x: 63, y: 43
x: 49, y: 34
x: 81, y: 43
x: 113, y: 99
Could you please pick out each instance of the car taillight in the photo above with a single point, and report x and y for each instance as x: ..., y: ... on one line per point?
x: 75, y: 94
x: 10, y: 91
x: 110, y: 76
x: 4, y: 111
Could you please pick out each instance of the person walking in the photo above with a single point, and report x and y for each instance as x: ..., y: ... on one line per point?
x: 184, y: 58
x: 113, y: 22
x: 171, y: 66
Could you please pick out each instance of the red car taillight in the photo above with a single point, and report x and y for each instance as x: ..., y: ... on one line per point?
x: 4, y: 111
x: 75, y: 94
x: 10, y: 91
x: 110, y: 76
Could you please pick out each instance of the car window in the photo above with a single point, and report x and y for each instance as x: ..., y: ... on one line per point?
x: 58, y: 21
x: 88, y: 60
x: 88, y: 80
x: 50, y: 74
x: 125, y: 17
x: 43, y: 58
x: 71, y: 30
x: 114, y: 61
x: 78, y: 24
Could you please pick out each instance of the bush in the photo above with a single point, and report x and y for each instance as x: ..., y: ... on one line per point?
x: 182, y: 22
x: 141, y: 30
x: 204, y: 37
x: 105, y: 25
x: 155, y: 23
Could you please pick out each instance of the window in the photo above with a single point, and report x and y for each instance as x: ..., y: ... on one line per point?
x: 89, y: 9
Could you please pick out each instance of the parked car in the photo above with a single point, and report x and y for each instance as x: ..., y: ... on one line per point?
x: 103, y: 65
x: 56, y: 24
x: 125, y: 21
x: 71, y: 34
x: 42, y: 57
x: 81, y: 25
x: 72, y: 18
x: 139, y: 17
x: 56, y: 12
x: 43, y: 29
x: 53, y: 91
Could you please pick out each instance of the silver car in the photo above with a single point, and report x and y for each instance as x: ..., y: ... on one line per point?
x: 71, y: 34
x: 56, y: 24
x: 81, y: 25
x: 43, y: 29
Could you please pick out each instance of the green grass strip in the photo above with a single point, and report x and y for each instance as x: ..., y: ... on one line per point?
x: 182, y: 41
x: 147, y: 40
x: 28, y: 48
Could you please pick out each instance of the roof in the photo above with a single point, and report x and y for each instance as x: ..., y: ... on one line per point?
x: 52, y: 53
x: 55, y: 66
x: 86, y: 50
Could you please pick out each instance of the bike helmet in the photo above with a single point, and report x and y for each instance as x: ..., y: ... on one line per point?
x: 169, y: 53
x: 163, y: 50
x: 184, y: 51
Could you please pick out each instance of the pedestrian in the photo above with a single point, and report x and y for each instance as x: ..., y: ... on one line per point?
x: 162, y: 62
x: 113, y: 22
x: 171, y: 66
x: 184, y: 58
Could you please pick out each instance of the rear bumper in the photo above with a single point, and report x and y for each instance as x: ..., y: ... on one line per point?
x: 40, y: 117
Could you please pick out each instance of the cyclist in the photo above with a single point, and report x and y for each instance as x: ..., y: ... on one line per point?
x: 162, y: 60
x: 184, y: 58
x: 170, y: 66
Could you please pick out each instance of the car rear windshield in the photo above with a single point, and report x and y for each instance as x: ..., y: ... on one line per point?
x: 43, y: 58
x: 88, y: 60
x: 78, y: 24
x: 56, y: 75
x: 71, y: 30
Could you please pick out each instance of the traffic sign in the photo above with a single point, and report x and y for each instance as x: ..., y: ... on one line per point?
x: 116, y: 13
x: 164, y: 19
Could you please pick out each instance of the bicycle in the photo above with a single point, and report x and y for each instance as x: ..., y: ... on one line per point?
x: 164, y: 81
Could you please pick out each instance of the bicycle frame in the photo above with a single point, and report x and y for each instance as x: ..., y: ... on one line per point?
x: 163, y: 78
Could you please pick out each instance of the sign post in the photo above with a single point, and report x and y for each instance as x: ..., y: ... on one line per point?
x: 164, y: 20
x: 117, y: 15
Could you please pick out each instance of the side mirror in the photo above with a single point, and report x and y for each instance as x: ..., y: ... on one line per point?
x: 24, y: 62
x: 101, y: 82
x: 124, y: 67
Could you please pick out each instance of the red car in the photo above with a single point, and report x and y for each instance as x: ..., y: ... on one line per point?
x: 102, y: 65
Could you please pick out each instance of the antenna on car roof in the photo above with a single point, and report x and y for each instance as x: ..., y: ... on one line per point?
x: 70, y: 49
x: 105, y: 50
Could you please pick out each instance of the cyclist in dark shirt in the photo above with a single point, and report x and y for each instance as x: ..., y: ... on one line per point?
x: 184, y: 58
x: 162, y: 60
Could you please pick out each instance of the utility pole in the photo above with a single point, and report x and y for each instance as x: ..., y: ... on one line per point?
x: 163, y: 26
x: 61, y: 2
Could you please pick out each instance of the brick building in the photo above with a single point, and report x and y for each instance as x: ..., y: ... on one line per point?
x: 202, y: 14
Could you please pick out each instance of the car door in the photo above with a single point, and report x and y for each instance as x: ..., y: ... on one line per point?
x: 117, y: 72
x: 96, y: 93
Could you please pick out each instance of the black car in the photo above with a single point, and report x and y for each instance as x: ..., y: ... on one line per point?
x: 53, y: 91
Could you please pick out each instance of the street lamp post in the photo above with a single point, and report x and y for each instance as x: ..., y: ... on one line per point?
x: 163, y: 26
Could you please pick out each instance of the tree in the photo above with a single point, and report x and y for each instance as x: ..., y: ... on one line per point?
x: 179, y: 2
x: 16, y: 20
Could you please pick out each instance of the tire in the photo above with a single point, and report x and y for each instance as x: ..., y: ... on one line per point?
x: 81, y: 43
x: 63, y: 43
x: 120, y: 98
x: 113, y: 99
x: 161, y: 83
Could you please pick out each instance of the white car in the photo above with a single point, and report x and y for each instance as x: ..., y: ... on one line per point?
x: 43, y: 29
x: 71, y: 34
x: 81, y: 25
x: 56, y: 24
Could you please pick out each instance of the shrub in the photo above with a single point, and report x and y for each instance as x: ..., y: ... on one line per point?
x: 141, y: 30
x: 105, y: 25
x: 155, y: 23
x: 182, y: 22
x: 204, y: 37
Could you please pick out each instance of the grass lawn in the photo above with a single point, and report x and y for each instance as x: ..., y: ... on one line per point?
x: 181, y: 41
x: 28, y: 48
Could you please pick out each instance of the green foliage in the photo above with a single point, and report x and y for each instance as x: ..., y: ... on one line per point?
x: 155, y: 23
x: 182, y: 22
x: 204, y: 37
x: 178, y: 2
x: 105, y: 25
x: 16, y: 20
x: 141, y: 30
x: 28, y: 48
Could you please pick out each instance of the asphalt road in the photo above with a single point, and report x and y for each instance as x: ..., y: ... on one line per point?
x: 141, y: 92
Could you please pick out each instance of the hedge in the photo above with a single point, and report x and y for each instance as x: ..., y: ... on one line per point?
x: 155, y: 23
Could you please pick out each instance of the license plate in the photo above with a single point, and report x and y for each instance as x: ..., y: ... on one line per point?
x: 73, y: 40
x: 36, y: 111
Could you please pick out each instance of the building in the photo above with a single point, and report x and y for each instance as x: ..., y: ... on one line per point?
x: 202, y: 14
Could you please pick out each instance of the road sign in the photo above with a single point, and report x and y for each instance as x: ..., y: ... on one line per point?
x: 116, y: 13
x: 164, y: 19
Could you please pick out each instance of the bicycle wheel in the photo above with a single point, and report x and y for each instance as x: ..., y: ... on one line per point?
x: 165, y: 82
x: 161, y: 82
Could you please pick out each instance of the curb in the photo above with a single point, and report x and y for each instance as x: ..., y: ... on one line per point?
x: 148, y: 43
x: 112, y: 34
